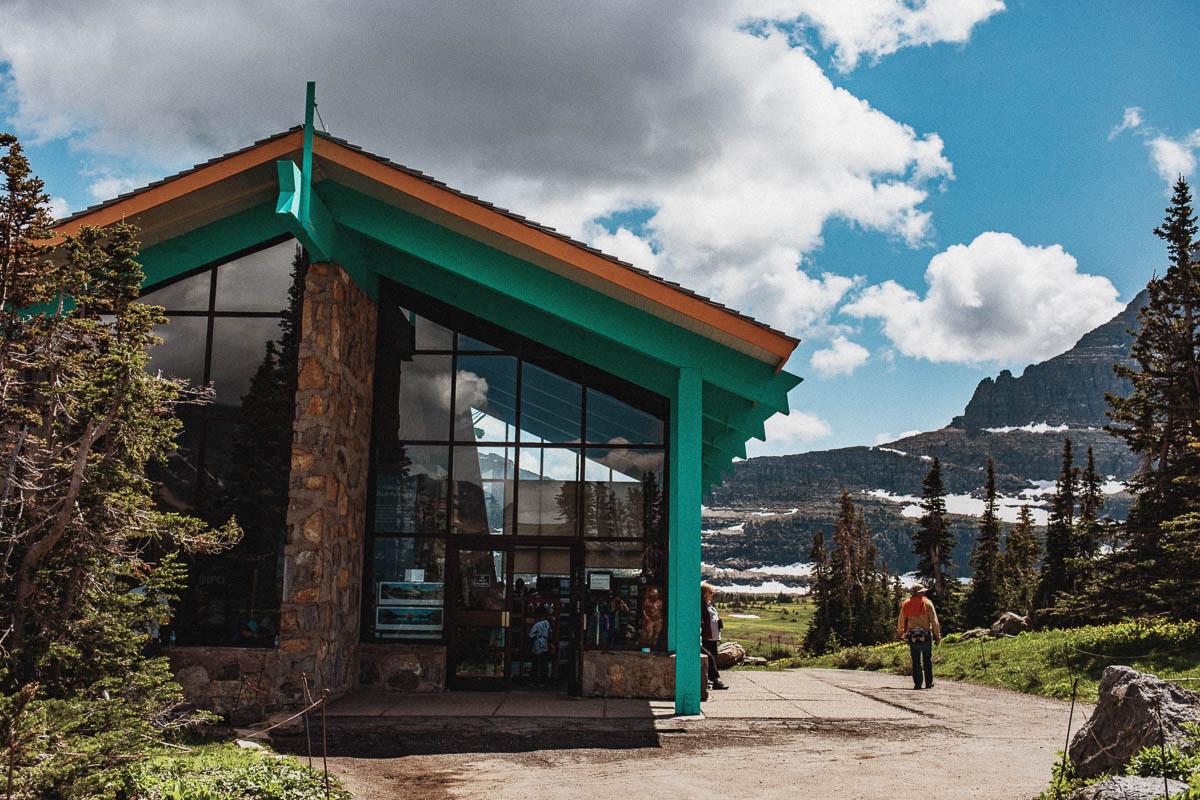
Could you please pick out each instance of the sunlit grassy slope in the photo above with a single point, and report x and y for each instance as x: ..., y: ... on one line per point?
x: 1043, y: 662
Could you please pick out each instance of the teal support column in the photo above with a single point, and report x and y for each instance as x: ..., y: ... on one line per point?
x: 306, y: 163
x: 683, y: 597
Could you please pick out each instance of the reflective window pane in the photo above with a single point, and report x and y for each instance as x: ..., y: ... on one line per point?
x: 486, y: 399
x: 181, y: 354
x: 411, y: 492
x: 175, y: 482
x: 189, y: 294
x: 257, y: 282
x: 483, y: 486
x: 431, y: 336
x: 239, y: 354
x: 407, y: 593
x: 551, y: 407
x: 622, y: 580
x: 466, y: 343
x: 623, y: 493
x: 609, y: 421
x: 424, y: 399
x: 547, y: 503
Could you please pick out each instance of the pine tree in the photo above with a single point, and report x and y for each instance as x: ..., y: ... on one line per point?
x: 933, y: 540
x: 79, y: 421
x: 817, y: 637
x: 845, y: 586
x: 983, y: 600
x: 1088, y: 529
x: 1060, y: 532
x: 1022, y: 549
x: 1159, y: 420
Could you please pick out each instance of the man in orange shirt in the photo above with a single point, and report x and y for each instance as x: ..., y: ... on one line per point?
x: 918, y: 625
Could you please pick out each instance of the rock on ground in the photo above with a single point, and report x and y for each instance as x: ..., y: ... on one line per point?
x: 1010, y: 624
x: 730, y: 653
x: 1128, y: 788
x: 1127, y: 719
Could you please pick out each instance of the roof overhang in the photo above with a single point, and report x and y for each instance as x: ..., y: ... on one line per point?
x: 376, y: 217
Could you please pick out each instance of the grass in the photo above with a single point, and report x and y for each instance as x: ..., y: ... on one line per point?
x: 1043, y: 663
x: 219, y: 771
x: 776, y: 629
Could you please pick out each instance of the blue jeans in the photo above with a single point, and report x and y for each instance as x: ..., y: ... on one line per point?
x: 922, y: 660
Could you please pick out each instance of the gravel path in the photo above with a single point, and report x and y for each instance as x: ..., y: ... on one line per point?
x: 798, y: 734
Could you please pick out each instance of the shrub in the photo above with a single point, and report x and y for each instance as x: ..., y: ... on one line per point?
x: 224, y: 771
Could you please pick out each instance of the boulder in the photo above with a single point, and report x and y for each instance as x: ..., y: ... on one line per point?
x: 754, y: 661
x: 1126, y: 719
x: 1128, y: 788
x: 729, y: 653
x: 1010, y: 624
x: 974, y: 633
x: 192, y: 680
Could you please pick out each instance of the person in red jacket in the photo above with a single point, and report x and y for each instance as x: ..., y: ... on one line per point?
x: 918, y: 625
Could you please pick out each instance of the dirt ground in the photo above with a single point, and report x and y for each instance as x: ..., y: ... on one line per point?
x: 954, y: 741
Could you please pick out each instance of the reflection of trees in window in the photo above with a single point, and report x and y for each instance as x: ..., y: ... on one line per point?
x: 256, y: 491
x: 234, y: 458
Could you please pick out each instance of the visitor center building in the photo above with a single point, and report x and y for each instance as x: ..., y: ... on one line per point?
x: 437, y: 423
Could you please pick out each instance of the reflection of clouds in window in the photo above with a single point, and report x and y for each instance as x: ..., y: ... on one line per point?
x: 550, y: 463
x: 485, y: 397
x: 493, y: 430
x: 189, y: 294
x: 239, y: 347
x: 257, y: 282
x: 431, y: 336
x: 181, y: 354
x: 425, y: 398
x: 622, y: 465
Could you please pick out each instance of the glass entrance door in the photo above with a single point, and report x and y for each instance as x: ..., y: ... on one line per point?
x: 479, y: 619
x: 543, y: 655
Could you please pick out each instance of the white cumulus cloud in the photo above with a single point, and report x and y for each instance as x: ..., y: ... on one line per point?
x: 842, y: 357
x: 789, y: 434
x: 1174, y: 157
x: 738, y: 144
x: 876, y: 28
x: 996, y: 299
x: 1132, y: 118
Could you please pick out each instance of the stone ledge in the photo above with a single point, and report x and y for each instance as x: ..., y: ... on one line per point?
x: 402, y: 667
x: 628, y: 673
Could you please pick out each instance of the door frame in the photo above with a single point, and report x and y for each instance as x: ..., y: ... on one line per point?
x: 456, y: 617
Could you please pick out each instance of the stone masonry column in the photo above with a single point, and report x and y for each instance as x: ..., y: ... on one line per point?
x: 326, y: 518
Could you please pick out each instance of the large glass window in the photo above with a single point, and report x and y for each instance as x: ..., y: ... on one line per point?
x: 234, y: 326
x: 478, y: 433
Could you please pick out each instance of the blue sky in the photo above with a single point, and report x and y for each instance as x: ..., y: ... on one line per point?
x: 924, y: 192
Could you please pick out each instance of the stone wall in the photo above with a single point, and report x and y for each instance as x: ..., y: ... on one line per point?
x: 628, y: 673
x: 326, y: 519
x: 402, y: 667
x: 237, y: 682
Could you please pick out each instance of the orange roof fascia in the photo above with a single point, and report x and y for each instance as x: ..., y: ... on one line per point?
x: 557, y: 248
x: 185, y: 184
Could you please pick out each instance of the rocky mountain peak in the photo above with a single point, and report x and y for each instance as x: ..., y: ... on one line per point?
x: 1065, y: 390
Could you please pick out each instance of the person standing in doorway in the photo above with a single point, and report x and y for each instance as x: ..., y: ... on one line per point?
x: 710, y: 633
x: 540, y: 634
x: 918, y: 625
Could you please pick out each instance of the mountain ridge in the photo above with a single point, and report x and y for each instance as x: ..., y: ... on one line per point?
x: 1063, y: 396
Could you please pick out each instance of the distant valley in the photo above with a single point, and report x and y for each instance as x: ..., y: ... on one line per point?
x: 766, y: 512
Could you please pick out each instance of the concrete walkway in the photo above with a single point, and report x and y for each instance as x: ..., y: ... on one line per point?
x: 831, y: 734
x: 795, y: 694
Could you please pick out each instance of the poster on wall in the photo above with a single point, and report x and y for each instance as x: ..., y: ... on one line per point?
x: 410, y: 593
x: 421, y: 621
x: 395, y: 503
